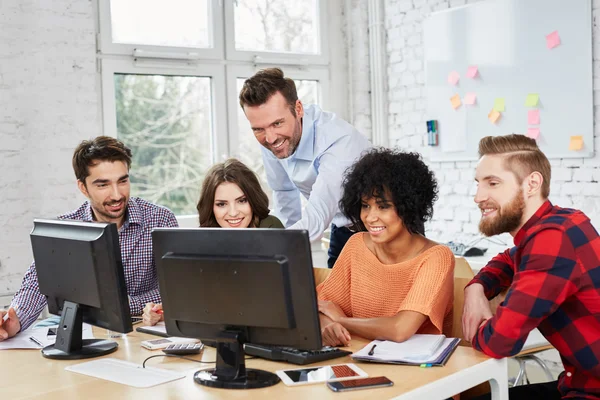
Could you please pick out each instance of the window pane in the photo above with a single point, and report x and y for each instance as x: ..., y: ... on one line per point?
x: 180, y: 23
x: 249, y: 148
x: 166, y: 121
x: 276, y: 26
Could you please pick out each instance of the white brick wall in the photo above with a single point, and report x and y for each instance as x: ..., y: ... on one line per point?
x: 575, y: 182
x: 357, y: 33
x: 50, y: 100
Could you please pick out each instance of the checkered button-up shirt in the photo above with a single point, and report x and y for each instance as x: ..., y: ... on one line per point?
x: 553, y: 280
x: 136, y: 255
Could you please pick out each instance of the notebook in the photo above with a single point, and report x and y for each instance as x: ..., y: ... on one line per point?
x: 159, y: 329
x: 432, y: 350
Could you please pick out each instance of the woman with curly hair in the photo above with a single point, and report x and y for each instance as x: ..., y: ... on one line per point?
x: 389, y: 282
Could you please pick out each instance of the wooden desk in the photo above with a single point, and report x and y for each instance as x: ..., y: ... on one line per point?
x: 26, y: 374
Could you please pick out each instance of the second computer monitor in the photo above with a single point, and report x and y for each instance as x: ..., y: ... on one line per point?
x: 237, y: 286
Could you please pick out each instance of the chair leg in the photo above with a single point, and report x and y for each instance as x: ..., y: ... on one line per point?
x: 522, y: 372
x: 543, y: 365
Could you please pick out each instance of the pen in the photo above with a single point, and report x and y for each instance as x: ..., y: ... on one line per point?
x: 34, y: 340
x: 5, y: 318
x: 161, y: 312
x: 372, y: 351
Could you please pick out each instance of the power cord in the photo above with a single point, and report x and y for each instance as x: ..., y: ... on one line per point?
x: 178, y: 356
x: 185, y: 358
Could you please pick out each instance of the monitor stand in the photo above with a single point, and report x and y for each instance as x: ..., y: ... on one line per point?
x: 69, y: 345
x: 231, y: 371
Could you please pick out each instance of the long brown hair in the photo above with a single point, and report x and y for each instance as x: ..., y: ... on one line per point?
x: 232, y: 171
x: 522, y: 157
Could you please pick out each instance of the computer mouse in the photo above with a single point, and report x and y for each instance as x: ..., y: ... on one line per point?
x: 474, y: 252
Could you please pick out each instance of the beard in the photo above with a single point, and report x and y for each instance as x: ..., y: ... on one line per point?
x: 508, y: 218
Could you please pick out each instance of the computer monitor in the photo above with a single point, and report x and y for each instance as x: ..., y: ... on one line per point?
x: 79, y: 270
x: 236, y: 286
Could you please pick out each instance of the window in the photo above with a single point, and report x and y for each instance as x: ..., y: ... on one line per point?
x: 171, y: 74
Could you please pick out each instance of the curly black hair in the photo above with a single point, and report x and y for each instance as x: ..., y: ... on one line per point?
x: 407, y: 179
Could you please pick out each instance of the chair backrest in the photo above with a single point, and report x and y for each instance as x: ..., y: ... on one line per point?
x: 462, y: 276
x: 320, y: 274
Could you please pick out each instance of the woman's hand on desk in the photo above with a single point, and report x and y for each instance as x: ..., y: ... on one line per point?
x: 331, y: 310
x: 11, y: 326
x: 335, y: 334
x: 152, y: 314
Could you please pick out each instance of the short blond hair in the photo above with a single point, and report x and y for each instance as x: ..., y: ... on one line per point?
x: 522, y: 157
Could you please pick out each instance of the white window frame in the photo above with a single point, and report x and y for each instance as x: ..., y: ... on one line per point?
x: 223, y: 64
x: 216, y: 38
x: 110, y: 67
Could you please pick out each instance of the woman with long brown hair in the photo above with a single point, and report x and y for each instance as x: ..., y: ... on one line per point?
x: 231, y: 197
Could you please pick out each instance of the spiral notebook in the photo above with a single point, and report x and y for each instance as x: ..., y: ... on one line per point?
x: 430, y: 350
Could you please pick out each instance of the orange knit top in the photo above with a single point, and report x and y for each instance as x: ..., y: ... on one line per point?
x: 363, y: 287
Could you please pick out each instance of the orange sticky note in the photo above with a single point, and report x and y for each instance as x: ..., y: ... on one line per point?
x: 472, y: 71
x: 552, y: 40
x: 576, y: 143
x: 455, y: 101
x: 533, y: 117
x: 453, y: 78
x: 470, y: 98
x: 533, y: 133
x: 494, y: 116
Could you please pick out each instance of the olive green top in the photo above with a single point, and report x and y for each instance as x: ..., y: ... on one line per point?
x: 270, y: 222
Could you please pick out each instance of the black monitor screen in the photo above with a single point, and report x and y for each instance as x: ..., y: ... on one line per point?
x: 79, y: 264
x: 235, y: 286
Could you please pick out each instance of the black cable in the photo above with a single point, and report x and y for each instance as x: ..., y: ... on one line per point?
x: 178, y: 356
x: 185, y: 358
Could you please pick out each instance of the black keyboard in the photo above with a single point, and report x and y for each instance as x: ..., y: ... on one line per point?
x: 294, y: 356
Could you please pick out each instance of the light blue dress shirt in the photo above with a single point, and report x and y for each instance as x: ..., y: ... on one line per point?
x: 328, y: 146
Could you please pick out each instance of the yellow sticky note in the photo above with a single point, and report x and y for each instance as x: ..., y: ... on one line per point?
x: 455, y: 101
x: 576, y: 143
x: 494, y: 116
x: 499, y: 104
x: 532, y: 100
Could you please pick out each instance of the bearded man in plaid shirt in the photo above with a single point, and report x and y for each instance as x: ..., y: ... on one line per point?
x: 552, y: 273
x: 102, y: 167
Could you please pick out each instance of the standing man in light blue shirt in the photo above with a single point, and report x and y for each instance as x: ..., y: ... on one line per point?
x: 306, y: 151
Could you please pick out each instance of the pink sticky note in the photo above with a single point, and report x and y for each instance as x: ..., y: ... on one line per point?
x: 472, y: 72
x: 552, y: 40
x: 470, y: 98
x: 453, y: 78
x: 533, y: 133
x: 533, y: 117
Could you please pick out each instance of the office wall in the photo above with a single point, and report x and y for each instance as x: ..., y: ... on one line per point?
x: 575, y: 182
x: 49, y: 96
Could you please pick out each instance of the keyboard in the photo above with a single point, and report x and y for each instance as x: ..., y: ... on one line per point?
x: 294, y: 356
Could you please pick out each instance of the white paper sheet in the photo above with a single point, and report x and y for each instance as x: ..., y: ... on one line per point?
x: 125, y: 373
x: 22, y: 340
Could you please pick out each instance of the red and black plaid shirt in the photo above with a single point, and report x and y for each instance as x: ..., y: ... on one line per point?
x: 553, y: 280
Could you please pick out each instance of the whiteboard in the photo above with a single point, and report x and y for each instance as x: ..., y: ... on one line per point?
x: 506, y: 40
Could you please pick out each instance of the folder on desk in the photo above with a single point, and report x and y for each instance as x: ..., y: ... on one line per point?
x: 431, y: 350
x: 159, y: 329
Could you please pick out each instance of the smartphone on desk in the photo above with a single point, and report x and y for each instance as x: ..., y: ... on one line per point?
x: 363, y: 383
x: 306, y: 376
